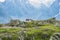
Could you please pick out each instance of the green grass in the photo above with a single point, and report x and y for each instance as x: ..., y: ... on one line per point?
x: 37, y: 32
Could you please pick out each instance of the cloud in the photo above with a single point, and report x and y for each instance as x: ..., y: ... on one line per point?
x: 35, y: 3
x: 2, y: 0
x: 57, y: 14
x: 48, y: 3
x: 38, y: 3
x: 59, y: 3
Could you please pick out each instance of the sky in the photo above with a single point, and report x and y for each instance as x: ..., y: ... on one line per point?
x: 29, y: 9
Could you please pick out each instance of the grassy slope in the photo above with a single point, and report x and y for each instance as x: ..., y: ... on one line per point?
x: 37, y: 32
